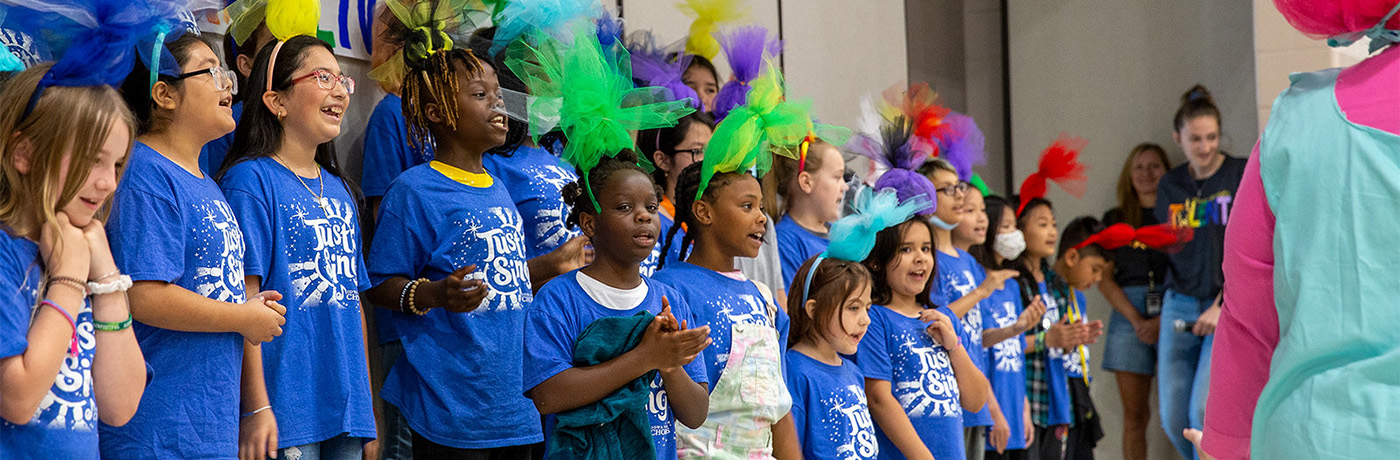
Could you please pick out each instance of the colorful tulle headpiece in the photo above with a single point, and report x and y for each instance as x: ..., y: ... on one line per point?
x: 764, y: 125
x: 552, y: 18
x: 651, y: 66
x: 1163, y: 237
x: 746, y: 49
x: 602, y: 106
x: 898, y: 136
x: 708, y: 15
x: 284, y: 18
x: 429, y: 27
x: 852, y: 237
x: 1059, y: 163
x: 980, y: 184
x: 961, y: 143
x: 93, y: 40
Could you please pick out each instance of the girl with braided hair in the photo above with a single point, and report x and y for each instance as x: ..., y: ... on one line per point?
x: 449, y: 255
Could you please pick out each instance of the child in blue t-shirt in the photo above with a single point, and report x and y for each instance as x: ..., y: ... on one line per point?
x: 830, y: 314
x: 812, y: 188
x: 173, y: 232
x: 672, y: 149
x: 50, y: 262
x: 748, y: 331
x: 449, y: 257
x: 301, y: 225
x: 919, y: 378
x: 1003, y: 323
x: 623, y: 229
x: 963, y: 285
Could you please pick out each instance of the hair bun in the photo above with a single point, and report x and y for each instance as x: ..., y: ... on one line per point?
x: 1198, y: 92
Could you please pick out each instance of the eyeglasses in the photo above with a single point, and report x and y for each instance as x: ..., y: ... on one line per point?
x: 955, y: 189
x: 223, y: 78
x: 327, y: 80
x: 695, y: 154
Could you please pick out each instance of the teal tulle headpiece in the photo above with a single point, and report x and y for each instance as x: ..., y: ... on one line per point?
x: 852, y: 237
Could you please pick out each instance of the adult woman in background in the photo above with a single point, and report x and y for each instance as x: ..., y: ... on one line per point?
x: 1135, y: 291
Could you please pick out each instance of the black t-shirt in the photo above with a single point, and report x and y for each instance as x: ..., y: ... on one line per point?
x: 1133, y: 266
x: 1203, y: 206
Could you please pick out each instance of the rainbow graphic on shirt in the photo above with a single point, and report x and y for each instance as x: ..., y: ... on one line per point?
x: 1202, y: 212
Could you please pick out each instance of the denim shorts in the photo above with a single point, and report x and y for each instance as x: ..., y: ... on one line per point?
x: 1123, y: 351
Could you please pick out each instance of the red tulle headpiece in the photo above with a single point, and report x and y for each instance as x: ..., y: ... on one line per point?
x: 1162, y: 237
x: 919, y: 105
x: 1060, y: 164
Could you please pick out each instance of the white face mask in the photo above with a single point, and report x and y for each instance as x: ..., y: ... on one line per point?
x: 1010, y: 245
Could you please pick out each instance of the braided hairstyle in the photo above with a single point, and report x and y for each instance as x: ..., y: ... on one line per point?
x: 686, y: 186
x: 431, y: 78
x: 597, y: 180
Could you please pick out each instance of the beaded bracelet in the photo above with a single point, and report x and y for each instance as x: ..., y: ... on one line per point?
x: 412, y: 291
x: 105, y: 326
x: 403, y: 294
x: 70, y: 282
x: 73, y: 343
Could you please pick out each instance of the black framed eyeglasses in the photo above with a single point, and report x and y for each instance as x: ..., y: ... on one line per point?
x: 224, y: 79
x: 955, y: 189
x: 695, y: 154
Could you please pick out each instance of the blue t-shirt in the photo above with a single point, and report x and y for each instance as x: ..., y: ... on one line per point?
x: 898, y: 349
x: 958, y: 276
x: 1006, y: 360
x: 829, y: 409
x: 795, y: 246
x: 534, y: 178
x: 1074, y: 367
x: 458, y: 383
x: 1057, y: 369
x: 315, y: 372
x: 561, y: 312
x: 211, y: 157
x: 387, y: 149
x: 718, y: 301
x: 65, y: 426
x: 169, y: 225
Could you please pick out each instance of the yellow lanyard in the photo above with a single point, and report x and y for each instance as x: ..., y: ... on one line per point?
x: 1074, y: 318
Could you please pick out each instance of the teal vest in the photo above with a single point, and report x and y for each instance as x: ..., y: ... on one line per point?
x: 1334, y: 189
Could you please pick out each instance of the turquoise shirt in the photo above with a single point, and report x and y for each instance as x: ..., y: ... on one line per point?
x: 1333, y: 384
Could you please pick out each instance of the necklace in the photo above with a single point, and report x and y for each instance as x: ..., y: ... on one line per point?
x: 321, y: 197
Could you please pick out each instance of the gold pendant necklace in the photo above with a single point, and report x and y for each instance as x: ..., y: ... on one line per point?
x: 320, y: 198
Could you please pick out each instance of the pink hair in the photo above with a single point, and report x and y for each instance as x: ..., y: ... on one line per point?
x: 1325, y: 18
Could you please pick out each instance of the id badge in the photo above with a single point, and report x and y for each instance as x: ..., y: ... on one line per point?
x: 1154, y: 304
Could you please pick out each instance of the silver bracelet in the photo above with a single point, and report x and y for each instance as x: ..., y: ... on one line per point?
x: 255, y: 412
x: 121, y: 284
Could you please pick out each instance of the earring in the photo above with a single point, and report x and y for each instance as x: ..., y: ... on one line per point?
x: 281, y: 114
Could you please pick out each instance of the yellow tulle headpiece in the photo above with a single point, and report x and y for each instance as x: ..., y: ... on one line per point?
x: 709, y: 15
x: 284, y: 18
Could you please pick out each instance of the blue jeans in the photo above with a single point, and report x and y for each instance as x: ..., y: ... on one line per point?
x: 1183, y: 369
x: 341, y: 447
x: 396, y: 442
